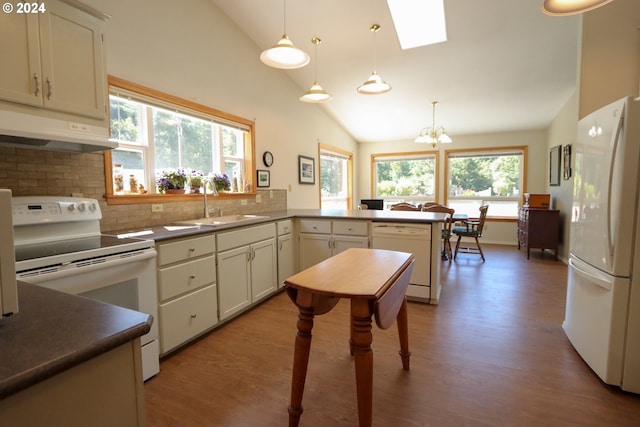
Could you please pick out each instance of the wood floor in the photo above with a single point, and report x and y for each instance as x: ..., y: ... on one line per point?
x: 492, y: 353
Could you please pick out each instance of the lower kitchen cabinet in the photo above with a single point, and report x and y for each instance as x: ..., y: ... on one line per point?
x: 187, y: 291
x: 321, y: 239
x: 286, y: 252
x: 247, y: 267
x: 187, y: 317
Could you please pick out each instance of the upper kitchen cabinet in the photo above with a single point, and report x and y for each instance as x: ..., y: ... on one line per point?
x: 55, y: 59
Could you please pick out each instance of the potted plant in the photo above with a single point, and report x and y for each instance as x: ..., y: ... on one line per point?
x: 195, y: 180
x: 171, y: 180
x: 221, y: 182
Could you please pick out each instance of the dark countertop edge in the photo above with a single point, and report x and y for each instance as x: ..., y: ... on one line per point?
x: 129, y: 326
x: 160, y: 233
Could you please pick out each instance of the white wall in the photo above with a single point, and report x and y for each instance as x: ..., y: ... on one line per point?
x: 562, y: 132
x: 495, y: 232
x: 192, y: 50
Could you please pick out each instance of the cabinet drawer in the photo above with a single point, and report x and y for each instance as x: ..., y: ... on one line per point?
x: 284, y: 227
x: 352, y: 228
x: 315, y: 226
x: 188, y: 276
x: 187, y: 317
x: 185, y: 249
x: 245, y: 236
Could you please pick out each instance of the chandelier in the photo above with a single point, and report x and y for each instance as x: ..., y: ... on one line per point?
x: 433, y: 135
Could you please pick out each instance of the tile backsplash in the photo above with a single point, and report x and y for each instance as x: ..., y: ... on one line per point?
x: 29, y: 172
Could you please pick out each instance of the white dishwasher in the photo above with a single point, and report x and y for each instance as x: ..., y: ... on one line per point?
x: 413, y: 238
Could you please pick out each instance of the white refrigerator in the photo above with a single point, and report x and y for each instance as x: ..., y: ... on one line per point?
x: 602, y: 318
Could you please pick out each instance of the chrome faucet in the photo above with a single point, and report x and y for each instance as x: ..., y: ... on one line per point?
x: 215, y: 193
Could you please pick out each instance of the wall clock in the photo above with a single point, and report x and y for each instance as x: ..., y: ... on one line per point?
x: 267, y: 158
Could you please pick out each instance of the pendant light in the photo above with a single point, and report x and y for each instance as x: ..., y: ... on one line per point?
x: 374, y: 84
x: 571, y: 7
x: 316, y: 94
x: 284, y: 54
x: 434, y: 135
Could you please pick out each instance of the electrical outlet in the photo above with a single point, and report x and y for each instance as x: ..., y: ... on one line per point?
x: 258, y: 198
x: 157, y: 208
x: 243, y: 202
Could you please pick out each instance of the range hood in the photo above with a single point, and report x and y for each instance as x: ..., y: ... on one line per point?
x: 45, y: 133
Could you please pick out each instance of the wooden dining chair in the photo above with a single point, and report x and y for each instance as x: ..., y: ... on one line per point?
x: 404, y: 206
x: 446, y: 228
x: 471, y: 228
x: 427, y: 205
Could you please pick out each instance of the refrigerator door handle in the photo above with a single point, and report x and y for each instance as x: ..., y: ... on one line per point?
x: 610, y: 189
x: 599, y: 281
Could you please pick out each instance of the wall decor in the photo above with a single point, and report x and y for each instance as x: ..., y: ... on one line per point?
x: 554, y: 165
x: 306, y: 170
x: 263, y: 178
x: 566, y: 163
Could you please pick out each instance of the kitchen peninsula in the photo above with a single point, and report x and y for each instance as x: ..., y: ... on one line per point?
x: 255, y: 253
x: 62, y: 358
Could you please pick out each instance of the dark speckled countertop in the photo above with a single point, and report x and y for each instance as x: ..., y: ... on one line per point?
x: 54, y: 331
x: 172, y: 231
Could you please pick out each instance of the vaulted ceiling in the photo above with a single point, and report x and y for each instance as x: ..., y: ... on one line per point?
x: 506, y: 66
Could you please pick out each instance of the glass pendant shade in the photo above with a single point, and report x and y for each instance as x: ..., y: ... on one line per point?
x: 315, y: 94
x: 374, y: 85
x: 285, y: 55
x: 571, y: 7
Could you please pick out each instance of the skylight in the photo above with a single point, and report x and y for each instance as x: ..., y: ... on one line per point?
x: 418, y: 22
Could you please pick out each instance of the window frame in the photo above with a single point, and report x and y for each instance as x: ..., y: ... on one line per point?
x: 167, y: 99
x: 489, y: 151
x: 410, y: 155
x: 339, y: 153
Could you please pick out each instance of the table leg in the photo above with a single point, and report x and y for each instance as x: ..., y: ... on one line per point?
x: 403, y: 333
x: 361, y: 312
x: 300, y: 363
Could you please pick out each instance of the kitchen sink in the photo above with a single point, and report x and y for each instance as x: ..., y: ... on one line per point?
x: 221, y: 220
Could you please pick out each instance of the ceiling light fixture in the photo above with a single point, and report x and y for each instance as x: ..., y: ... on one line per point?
x: 284, y: 54
x: 571, y: 7
x: 316, y: 94
x: 374, y: 84
x: 434, y: 135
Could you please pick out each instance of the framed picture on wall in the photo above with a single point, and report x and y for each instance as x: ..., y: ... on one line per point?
x: 263, y: 178
x: 306, y: 170
x: 554, y: 165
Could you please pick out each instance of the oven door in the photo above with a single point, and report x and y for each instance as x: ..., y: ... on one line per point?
x: 125, y: 280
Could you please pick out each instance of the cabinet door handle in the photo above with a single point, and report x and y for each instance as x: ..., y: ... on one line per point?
x: 192, y: 249
x: 36, y: 78
x: 193, y: 276
x: 49, y: 88
x: 193, y: 316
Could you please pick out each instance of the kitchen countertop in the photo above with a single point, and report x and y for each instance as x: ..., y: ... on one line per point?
x: 54, y: 331
x: 173, y: 231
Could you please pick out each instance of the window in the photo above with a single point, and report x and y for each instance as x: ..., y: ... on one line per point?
x: 336, y: 168
x: 158, y: 132
x: 407, y: 177
x: 492, y: 176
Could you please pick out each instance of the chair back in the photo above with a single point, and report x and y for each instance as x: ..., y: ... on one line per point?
x: 404, y: 206
x: 446, y: 226
x: 483, y: 215
x: 427, y: 205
